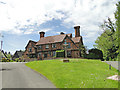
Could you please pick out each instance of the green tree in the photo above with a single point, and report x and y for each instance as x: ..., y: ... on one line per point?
x: 107, y: 42
x: 9, y: 56
x: 117, y: 17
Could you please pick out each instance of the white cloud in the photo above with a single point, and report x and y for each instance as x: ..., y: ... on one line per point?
x: 45, y: 30
x: 28, y: 31
x: 89, y: 14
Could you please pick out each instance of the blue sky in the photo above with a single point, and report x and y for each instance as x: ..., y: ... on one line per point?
x: 22, y: 20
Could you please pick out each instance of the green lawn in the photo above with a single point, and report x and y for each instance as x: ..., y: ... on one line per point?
x: 78, y: 73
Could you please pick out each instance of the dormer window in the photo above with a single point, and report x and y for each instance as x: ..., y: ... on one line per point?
x: 47, y: 46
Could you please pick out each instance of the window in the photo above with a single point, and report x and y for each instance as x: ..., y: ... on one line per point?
x: 68, y: 45
x: 68, y: 53
x: 53, y: 45
x: 30, y: 49
x: 47, y: 46
x: 45, y: 55
x: 54, y: 53
x: 39, y: 54
x: 65, y: 42
x: 49, y: 53
x: 39, y: 47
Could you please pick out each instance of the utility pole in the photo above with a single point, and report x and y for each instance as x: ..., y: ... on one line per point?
x: 1, y: 45
x: 1, y: 41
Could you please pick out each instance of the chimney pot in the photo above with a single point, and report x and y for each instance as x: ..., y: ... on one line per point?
x: 62, y: 33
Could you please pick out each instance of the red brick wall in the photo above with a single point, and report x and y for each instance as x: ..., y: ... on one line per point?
x: 30, y: 45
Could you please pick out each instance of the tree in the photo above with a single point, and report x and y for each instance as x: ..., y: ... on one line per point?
x: 97, y: 53
x: 117, y: 17
x: 107, y: 42
x: 82, y: 50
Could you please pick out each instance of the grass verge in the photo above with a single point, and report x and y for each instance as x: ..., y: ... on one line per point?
x: 78, y: 73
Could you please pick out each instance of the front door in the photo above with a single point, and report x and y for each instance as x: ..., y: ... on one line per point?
x: 45, y: 55
x: 68, y: 53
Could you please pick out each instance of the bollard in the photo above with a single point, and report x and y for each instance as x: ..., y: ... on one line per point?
x: 110, y: 67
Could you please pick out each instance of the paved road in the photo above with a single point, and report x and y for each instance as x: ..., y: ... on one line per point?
x: 115, y: 64
x: 0, y: 76
x: 17, y: 75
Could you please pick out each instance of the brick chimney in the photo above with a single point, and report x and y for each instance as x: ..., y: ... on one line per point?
x: 42, y: 34
x: 77, y: 31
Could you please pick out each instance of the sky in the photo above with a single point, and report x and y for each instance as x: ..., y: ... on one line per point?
x: 22, y: 20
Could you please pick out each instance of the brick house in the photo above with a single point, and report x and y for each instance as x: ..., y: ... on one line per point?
x: 17, y: 54
x: 46, y: 47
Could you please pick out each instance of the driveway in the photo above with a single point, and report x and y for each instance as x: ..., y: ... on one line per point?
x: 17, y: 75
x: 115, y: 64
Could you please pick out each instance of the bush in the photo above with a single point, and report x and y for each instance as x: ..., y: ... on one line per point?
x: 23, y: 60
x: 11, y: 60
x: 17, y: 59
x: 92, y: 56
x: 60, y: 53
x: 4, y: 60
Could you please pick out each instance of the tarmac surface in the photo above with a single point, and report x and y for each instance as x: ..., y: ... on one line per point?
x: 115, y: 64
x: 17, y: 75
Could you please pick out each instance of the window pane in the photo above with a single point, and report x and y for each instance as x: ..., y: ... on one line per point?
x: 53, y: 45
x: 30, y: 49
x: 69, y: 45
x: 47, y: 46
x: 54, y: 53
x: 39, y: 47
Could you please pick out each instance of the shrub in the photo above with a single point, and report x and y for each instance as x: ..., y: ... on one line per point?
x: 95, y: 54
x: 11, y: 60
x: 4, y: 60
x: 17, y: 59
x: 60, y: 53
x: 23, y: 60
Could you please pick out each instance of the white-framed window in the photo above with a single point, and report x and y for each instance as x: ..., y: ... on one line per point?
x: 39, y: 54
x: 68, y: 45
x: 46, y: 46
x: 39, y: 47
x: 30, y: 49
x: 65, y: 42
x: 54, y: 45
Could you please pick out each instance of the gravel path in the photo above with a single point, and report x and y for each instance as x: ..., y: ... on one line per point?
x: 115, y: 64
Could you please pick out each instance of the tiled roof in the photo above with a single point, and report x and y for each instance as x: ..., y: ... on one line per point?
x: 29, y: 42
x: 51, y: 39
x: 76, y: 39
x: 20, y: 53
x: 2, y: 54
x: 69, y: 34
x: 33, y: 41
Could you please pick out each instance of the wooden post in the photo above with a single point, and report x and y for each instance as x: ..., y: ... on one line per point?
x: 110, y: 67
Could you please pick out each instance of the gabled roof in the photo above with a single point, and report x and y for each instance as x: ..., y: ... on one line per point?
x: 31, y: 41
x: 76, y: 39
x: 69, y: 34
x: 18, y: 54
x: 2, y: 54
x: 51, y: 39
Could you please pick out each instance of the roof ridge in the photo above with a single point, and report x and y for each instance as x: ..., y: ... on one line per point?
x: 54, y: 35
